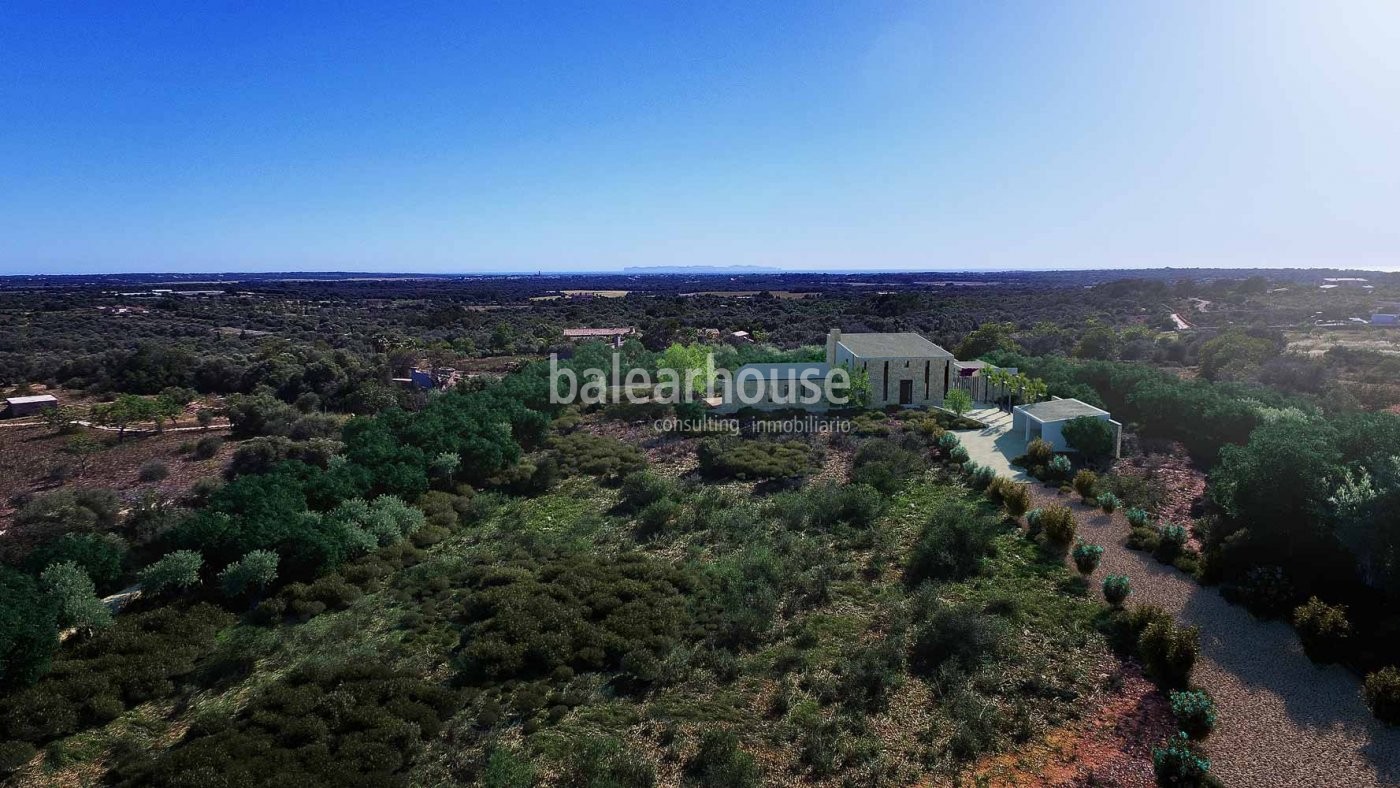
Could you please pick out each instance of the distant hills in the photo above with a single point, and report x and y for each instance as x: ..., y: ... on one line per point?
x: 702, y: 269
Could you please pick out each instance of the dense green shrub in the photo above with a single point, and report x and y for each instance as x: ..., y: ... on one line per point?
x: 1171, y: 540
x: 1086, y: 557
x: 1383, y: 694
x: 952, y: 544
x: 1085, y: 483
x: 1092, y: 437
x: 1138, y: 518
x: 1145, y: 539
x: 1015, y: 497
x: 1169, y: 651
x: 1059, y: 468
x: 720, y: 763
x: 960, y: 636
x: 582, y: 454
x: 28, y: 629
x: 1178, y: 764
x: 1059, y: 524
x: 100, y: 555
x: 870, y: 672
x: 78, y: 603
x: 526, y: 619
x: 357, y: 723
x: 1039, y: 452
x: 725, y: 457
x: 1265, y: 590
x: 207, y: 447
x: 253, y: 572
x: 1195, y: 712
x: 979, y: 477
x: 1116, y: 589
x: 958, y: 455
x: 137, y: 659
x: 885, y: 465
x: 176, y: 571
x: 152, y: 471
x: 1109, y: 502
x: 1323, y: 629
x: 14, y: 755
x: 641, y: 489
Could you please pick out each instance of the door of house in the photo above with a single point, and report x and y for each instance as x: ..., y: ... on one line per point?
x: 906, y: 392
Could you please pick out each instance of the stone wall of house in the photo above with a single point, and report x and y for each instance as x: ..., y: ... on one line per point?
x: 886, y: 375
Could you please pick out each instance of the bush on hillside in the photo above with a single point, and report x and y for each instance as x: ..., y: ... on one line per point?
x: 1195, y: 713
x: 207, y: 447
x: 1169, y: 651
x: 885, y: 465
x: 720, y: 763
x: 1138, y: 518
x: 175, y: 571
x: 78, y: 603
x: 1059, y: 524
x: 153, y: 471
x: 1059, y: 468
x: 1109, y: 502
x: 1016, y: 499
x: 526, y: 619
x: 1323, y: 629
x: 1092, y: 437
x: 1382, y: 692
x: 357, y: 723
x: 1179, y: 764
x: 1086, y: 557
x: 729, y: 457
x: 1171, y: 540
x: 1084, y: 483
x: 140, y: 658
x: 951, y: 546
x: 640, y: 489
x: 979, y: 476
x: 1116, y: 589
x: 1039, y: 452
x: 581, y: 454
x: 960, y: 636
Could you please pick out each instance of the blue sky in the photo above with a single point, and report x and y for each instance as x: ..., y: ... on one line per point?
x: 517, y: 135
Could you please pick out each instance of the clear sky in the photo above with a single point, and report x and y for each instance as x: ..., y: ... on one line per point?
x: 519, y: 135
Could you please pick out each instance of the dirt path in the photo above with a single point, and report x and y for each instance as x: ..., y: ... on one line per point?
x: 1283, y: 720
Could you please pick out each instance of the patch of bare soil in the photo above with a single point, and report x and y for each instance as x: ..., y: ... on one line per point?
x: 29, y: 455
x: 1110, y: 747
x: 1168, y: 467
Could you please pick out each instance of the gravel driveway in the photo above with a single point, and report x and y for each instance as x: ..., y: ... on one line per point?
x: 1283, y: 720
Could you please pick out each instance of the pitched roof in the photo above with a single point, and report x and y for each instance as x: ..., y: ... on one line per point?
x: 1061, y: 410
x: 902, y: 345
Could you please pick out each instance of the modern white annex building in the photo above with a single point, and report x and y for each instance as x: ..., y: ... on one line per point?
x: 1046, y: 420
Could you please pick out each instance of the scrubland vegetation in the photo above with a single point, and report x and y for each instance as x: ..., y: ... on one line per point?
x: 348, y: 581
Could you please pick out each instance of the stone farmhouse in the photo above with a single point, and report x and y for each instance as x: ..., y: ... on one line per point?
x: 905, y: 369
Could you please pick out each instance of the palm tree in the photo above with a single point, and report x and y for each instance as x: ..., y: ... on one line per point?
x: 1036, y: 390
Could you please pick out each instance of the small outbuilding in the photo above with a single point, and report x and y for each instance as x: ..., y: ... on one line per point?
x: 1046, y: 420
x: 28, y: 406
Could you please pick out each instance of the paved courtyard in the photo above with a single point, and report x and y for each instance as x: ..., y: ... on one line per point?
x: 994, y: 446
